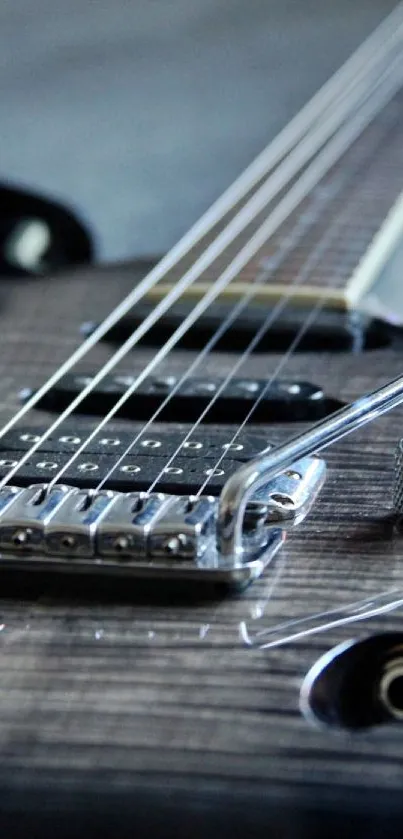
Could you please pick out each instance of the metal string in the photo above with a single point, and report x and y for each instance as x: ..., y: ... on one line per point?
x: 283, y: 251
x: 311, y: 317
x: 298, y: 192
x: 341, y: 85
x: 300, y: 189
x: 275, y: 261
x: 304, y: 271
x: 267, y: 323
x: 318, y: 306
x: 255, y: 285
x: 360, y: 65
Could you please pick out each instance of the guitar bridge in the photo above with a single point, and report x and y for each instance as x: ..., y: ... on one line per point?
x: 64, y: 528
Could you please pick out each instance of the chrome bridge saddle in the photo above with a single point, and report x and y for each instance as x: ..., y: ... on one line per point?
x: 65, y: 528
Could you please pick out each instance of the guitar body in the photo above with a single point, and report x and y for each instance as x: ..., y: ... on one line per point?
x: 147, y: 711
x: 150, y: 708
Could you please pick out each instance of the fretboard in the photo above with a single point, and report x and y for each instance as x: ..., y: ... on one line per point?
x: 323, y: 246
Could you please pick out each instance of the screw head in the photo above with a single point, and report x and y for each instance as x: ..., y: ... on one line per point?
x: 121, y: 543
x: 175, y: 544
x: 68, y: 541
x: 21, y: 537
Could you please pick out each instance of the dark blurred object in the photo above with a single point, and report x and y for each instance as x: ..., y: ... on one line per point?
x: 357, y: 684
x: 38, y: 236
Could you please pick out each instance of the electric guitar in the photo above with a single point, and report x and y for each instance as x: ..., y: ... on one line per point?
x: 199, y: 636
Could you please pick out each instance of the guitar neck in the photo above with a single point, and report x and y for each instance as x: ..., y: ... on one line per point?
x: 348, y: 222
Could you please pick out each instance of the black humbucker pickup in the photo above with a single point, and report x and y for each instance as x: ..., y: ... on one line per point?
x: 281, y: 401
x: 195, y: 461
x: 133, y: 474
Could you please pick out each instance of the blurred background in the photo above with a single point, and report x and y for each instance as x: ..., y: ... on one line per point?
x: 138, y: 113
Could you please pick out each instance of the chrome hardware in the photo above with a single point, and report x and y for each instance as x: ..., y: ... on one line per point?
x: 25, y: 513
x: 71, y: 531
x: 289, y: 497
x: 253, y: 476
x: 185, y: 528
x: 7, y: 496
x: 242, y: 548
x: 63, y: 528
x: 124, y: 530
x: 140, y: 533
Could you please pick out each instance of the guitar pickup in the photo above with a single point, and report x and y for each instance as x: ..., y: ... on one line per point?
x: 282, y: 401
x: 113, y: 459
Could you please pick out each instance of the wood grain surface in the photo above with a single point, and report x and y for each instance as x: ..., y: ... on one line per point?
x: 157, y: 711
x: 146, y: 710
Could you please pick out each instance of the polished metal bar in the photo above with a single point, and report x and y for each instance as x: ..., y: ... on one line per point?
x: 258, y: 472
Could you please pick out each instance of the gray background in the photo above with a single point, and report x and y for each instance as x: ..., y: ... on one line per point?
x: 140, y: 112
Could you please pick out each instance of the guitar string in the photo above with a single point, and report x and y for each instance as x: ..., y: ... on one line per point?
x: 279, y: 367
x: 298, y: 192
x: 310, y: 318
x: 269, y: 190
x: 305, y: 326
x: 307, y: 181
x: 305, y: 185
x: 256, y: 284
x: 302, y: 331
x: 359, y: 66
x: 304, y: 271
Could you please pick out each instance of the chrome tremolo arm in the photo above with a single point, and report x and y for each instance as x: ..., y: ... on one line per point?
x: 260, y: 471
